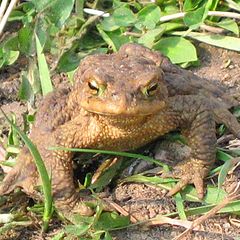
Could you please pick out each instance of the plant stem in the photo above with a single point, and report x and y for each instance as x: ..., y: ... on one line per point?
x: 210, y: 13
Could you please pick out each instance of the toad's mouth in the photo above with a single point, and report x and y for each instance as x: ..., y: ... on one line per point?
x: 117, y: 110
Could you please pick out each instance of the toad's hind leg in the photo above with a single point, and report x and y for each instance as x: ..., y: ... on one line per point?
x: 222, y: 115
x: 24, y: 174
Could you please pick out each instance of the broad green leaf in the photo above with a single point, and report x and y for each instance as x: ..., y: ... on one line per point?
x: 16, y: 16
x: 25, y: 38
x: 109, y: 24
x: 40, y: 5
x: 118, y: 38
x: 230, y: 25
x: 227, y: 42
x: 148, y: 17
x: 59, y: 236
x: 178, y: 49
x: 191, y: 4
x: 12, y: 57
x: 106, y: 38
x: 77, y: 230
x: 194, y: 19
x: 41, y: 30
x: 69, y: 61
x: 11, y: 43
x: 44, y: 75
x: 59, y: 11
x: 26, y: 91
x: 111, y: 220
x: 107, y: 236
x: 115, y: 39
x: 123, y: 17
x: 148, y: 39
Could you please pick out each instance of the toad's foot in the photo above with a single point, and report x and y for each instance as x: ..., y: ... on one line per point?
x: 81, y: 204
x: 193, y: 171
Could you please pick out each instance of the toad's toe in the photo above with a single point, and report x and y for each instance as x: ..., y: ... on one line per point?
x: 190, y: 172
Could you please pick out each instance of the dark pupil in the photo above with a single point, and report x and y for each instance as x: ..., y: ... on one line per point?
x: 91, y: 86
x: 152, y: 88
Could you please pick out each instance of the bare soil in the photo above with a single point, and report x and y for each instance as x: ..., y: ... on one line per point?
x: 141, y: 200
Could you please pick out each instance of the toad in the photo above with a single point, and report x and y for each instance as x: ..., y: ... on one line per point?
x: 120, y: 102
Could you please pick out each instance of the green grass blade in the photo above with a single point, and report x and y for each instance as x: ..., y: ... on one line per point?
x: 46, y: 183
x: 180, y: 206
x: 44, y: 74
x: 231, y: 43
x: 123, y: 154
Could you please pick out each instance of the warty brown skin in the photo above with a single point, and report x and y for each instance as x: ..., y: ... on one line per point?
x: 121, y: 102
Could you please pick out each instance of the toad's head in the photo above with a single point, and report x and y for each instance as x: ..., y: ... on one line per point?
x: 121, y: 84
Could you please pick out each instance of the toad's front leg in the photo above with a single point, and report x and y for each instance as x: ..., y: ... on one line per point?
x: 196, y: 121
x: 67, y: 199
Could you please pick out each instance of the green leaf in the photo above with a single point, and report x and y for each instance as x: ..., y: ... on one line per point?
x: 113, y: 153
x: 59, y: 11
x: 180, y: 206
x: 25, y: 38
x: 40, y: 5
x: 148, y: 17
x: 115, y: 39
x: 109, y: 24
x: 123, y: 17
x: 12, y: 57
x: 178, y: 49
x: 227, y: 166
x: 106, y: 38
x: 111, y: 220
x: 227, y: 42
x: 59, y: 236
x: 190, y: 4
x: 44, y: 75
x: 107, y: 236
x: 194, y: 19
x: 26, y: 91
x: 229, y: 25
x: 107, y: 176
x: 77, y: 230
x: 148, y: 39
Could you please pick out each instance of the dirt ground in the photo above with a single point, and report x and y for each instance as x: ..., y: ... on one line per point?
x: 142, y: 201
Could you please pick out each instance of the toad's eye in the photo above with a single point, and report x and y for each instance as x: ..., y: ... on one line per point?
x: 150, y: 90
x: 96, y: 88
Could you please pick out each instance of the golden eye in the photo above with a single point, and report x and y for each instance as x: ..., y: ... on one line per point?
x: 97, y: 89
x: 150, y: 90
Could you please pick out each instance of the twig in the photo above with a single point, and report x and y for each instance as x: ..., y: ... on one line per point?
x: 122, y: 211
x: 3, y: 8
x: 134, y: 34
x: 212, y: 29
x: 210, y: 13
x: 6, y: 15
